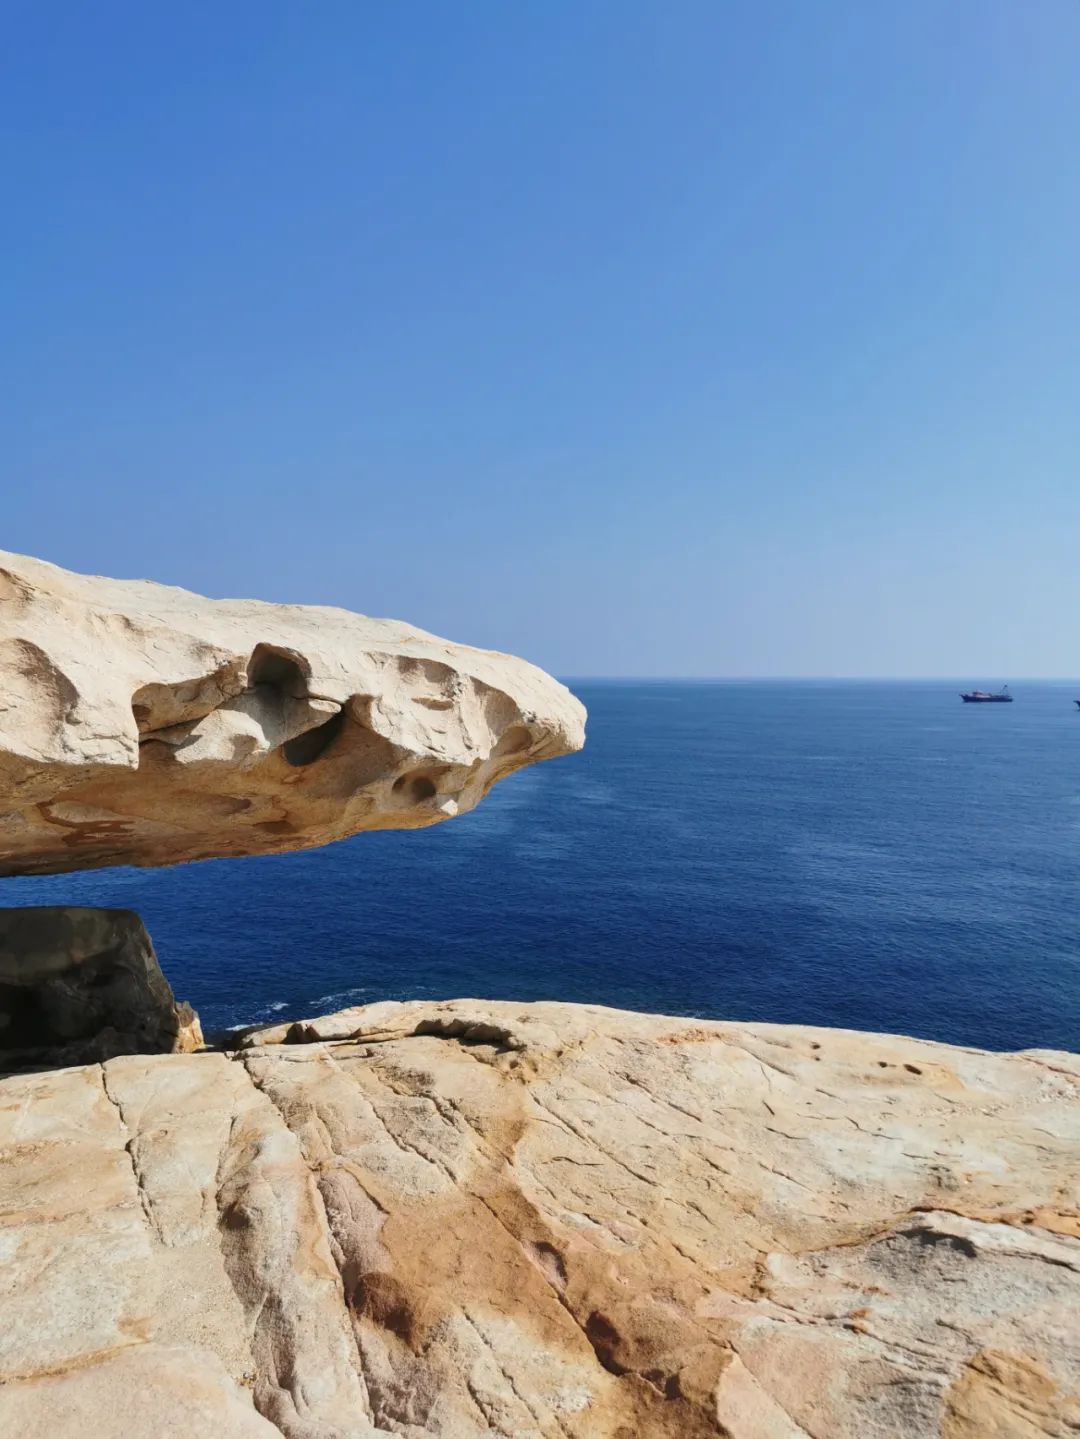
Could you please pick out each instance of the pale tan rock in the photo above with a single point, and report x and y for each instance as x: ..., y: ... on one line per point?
x: 482, y: 1219
x: 141, y: 724
x: 144, y: 1389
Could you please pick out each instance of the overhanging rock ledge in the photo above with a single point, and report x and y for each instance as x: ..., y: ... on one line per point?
x: 142, y: 724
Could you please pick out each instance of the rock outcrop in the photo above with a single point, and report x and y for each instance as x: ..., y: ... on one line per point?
x: 141, y: 724
x: 494, y: 1219
x: 78, y: 985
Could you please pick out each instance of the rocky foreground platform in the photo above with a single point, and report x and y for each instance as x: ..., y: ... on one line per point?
x: 473, y: 1218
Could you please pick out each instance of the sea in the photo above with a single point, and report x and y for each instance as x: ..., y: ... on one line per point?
x: 870, y: 855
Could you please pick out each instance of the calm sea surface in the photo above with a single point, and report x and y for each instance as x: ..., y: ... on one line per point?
x: 877, y: 856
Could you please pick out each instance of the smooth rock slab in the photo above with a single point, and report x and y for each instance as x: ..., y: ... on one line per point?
x: 482, y: 1219
x: 145, y: 1389
x: 141, y: 724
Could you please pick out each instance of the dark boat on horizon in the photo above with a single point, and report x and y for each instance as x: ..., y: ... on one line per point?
x: 984, y: 697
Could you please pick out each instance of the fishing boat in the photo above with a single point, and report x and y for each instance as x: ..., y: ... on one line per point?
x: 987, y: 697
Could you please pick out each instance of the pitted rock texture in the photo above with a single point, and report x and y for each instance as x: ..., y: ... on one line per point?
x: 79, y: 985
x: 141, y: 724
x: 490, y: 1219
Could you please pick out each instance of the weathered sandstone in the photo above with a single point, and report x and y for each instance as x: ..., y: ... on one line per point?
x: 141, y: 724
x: 78, y: 985
x: 496, y: 1219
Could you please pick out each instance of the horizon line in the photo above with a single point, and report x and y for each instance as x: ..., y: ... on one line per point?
x: 814, y: 679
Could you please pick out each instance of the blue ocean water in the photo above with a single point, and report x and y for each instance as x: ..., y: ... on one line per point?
x: 872, y: 855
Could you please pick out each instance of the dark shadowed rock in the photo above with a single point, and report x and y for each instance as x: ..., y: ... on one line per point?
x: 80, y: 985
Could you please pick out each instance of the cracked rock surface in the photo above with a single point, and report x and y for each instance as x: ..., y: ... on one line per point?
x: 145, y: 725
x: 493, y: 1219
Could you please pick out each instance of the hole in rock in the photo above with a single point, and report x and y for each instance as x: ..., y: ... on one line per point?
x: 419, y: 787
x: 383, y: 1300
x: 270, y: 666
x: 307, y: 747
x: 605, y: 1340
x: 516, y: 739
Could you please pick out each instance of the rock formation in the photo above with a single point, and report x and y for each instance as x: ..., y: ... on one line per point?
x: 78, y: 985
x: 482, y: 1219
x: 448, y: 1221
x: 141, y: 724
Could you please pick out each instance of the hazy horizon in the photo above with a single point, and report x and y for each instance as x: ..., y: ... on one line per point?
x: 697, y: 340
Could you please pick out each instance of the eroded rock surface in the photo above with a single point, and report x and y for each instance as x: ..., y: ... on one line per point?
x: 141, y: 724
x: 479, y: 1219
x: 78, y: 985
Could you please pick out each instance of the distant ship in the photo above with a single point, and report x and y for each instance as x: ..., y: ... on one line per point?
x: 984, y: 697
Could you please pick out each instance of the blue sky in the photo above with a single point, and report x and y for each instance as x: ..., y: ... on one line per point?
x: 698, y: 338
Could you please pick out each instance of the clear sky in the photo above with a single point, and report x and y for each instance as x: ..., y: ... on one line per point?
x: 689, y: 337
